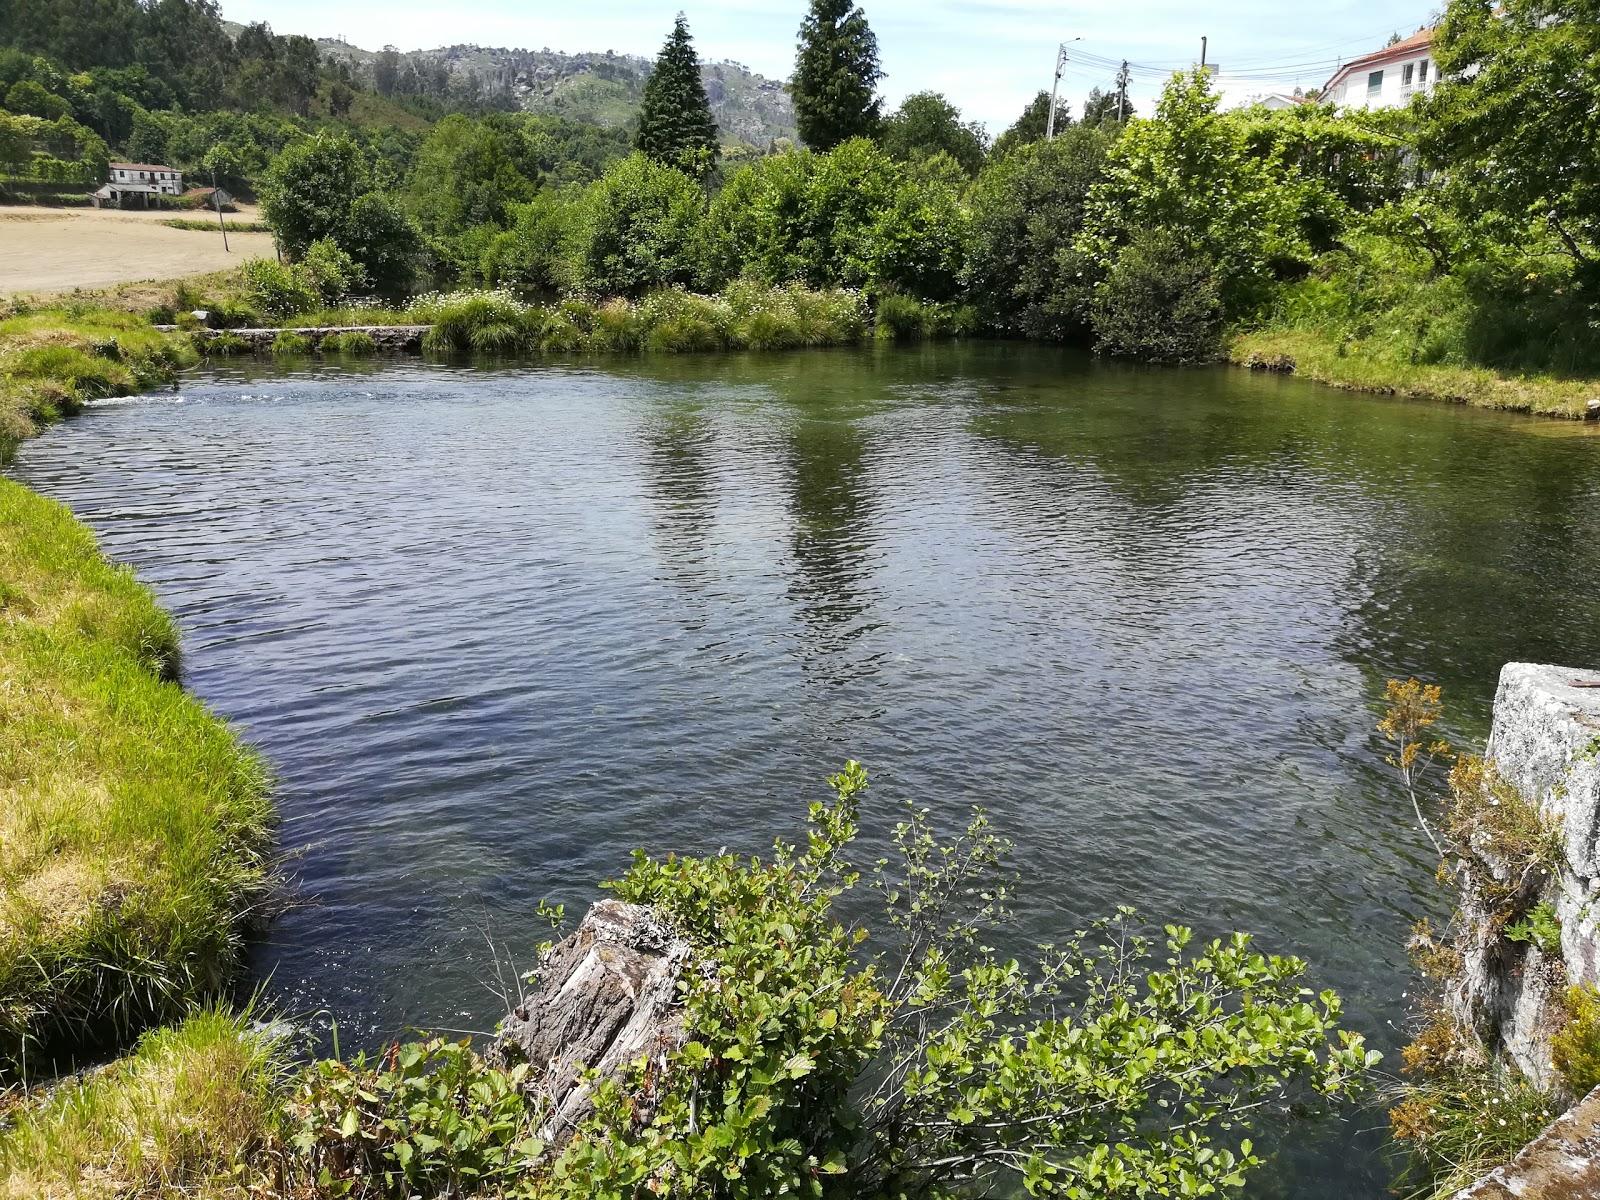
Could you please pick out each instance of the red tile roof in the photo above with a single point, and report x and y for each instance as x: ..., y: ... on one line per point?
x: 1404, y: 48
x: 122, y: 166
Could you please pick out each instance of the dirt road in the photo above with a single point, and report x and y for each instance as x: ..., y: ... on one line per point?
x: 45, y: 250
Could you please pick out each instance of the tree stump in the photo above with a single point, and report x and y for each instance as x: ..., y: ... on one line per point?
x: 606, y: 997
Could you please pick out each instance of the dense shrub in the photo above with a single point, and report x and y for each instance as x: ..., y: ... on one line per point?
x: 1159, y: 302
x: 276, y: 289
x: 532, y: 256
x: 638, y: 230
x: 1023, y: 273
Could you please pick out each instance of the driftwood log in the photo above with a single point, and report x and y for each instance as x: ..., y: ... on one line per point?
x: 605, y: 997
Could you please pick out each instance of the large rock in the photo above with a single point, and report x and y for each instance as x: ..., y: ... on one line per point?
x: 1562, y: 1163
x: 1545, y: 742
x: 607, y: 996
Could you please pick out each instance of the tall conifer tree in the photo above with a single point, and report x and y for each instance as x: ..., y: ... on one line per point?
x: 675, y: 125
x: 836, y: 75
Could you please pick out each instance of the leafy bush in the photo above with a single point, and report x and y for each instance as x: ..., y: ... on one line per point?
x: 426, y: 1118
x: 329, y: 271
x: 1067, y: 1076
x: 638, y: 230
x: 1160, y: 302
x: 277, y: 289
x: 1023, y: 273
x: 1575, y: 1050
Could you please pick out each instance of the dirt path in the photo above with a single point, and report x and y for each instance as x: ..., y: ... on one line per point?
x: 45, y: 250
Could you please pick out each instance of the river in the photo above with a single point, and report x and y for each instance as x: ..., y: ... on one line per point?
x: 495, y: 627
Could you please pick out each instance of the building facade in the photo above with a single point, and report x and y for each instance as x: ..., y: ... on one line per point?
x: 1386, y: 78
x: 132, y: 184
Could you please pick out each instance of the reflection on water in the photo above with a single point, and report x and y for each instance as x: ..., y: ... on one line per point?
x: 494, y: 628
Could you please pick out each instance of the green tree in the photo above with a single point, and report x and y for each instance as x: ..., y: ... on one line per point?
x: 836, y: 75
x: 927, y: 124
x: 1024, y: 274
x: 1107, y: 108
x: 309, y: 190
x: 1030, y: 127
x: 1159, y: 302
x: 1192, y: 173
x: 1519, y: 84
x: 675, y: 125
x: 639, y: 230
x: 917, y: 245
x: 322, y: 188
x: 464, y: 176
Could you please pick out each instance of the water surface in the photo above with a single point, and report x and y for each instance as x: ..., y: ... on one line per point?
x: 494, y: 628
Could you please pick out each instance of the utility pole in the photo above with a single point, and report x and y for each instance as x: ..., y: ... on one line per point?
x: 216, y: 200
x: 1055, y: 88
x: 1122, y: 93
x: 1202, y: 52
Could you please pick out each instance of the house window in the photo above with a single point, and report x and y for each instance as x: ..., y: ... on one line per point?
x: 1374, y: 84
x: 1422, y: 72
x: 1407, y: 74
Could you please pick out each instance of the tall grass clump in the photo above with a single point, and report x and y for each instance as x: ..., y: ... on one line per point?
x: 677, y: 322
x: 53, y: 361
x: 353, y: 342
x: 290, y: 342
x: 480, y: 320
x: 899, y: 318
x: 134, y: 827
x: 183, y: 1115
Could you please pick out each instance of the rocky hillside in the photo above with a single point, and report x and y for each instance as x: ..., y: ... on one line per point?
x: 603, y: 88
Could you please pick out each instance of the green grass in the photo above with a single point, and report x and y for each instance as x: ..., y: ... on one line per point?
x: 54, y: 360
x: 747, y: 316
x: 288, y: 342
x: 202, y: 225
x: 187, y: 1114
x: 134, y: 827
x: 1363, y: 367
x: 350, y: 342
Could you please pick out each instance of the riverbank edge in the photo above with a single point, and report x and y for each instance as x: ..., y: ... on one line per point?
x: 1320, y: 358
x: 131, y: 864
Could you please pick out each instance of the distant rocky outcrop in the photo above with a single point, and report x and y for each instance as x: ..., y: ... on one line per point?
x: 604, y: 88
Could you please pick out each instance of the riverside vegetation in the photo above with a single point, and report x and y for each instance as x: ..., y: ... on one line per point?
x: 1460, y: 1108
x: 132, y: 863
x: 823, y: 1059
x: 1408, y: 251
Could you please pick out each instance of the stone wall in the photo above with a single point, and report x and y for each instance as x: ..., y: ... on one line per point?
x: 390, y: 339
x: 1546, y: 743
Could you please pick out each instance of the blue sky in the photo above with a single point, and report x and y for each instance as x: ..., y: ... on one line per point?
x: 988, y: 56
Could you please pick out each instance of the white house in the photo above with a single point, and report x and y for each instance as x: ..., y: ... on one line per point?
x: 138, y: 182
x: 1386, y: 78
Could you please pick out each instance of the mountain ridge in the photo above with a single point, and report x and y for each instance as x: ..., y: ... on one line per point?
x: 602, y: 87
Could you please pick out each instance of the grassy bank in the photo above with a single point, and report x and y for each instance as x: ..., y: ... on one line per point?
x: 134, y: 827
x: 54, y: 360
x: 1326, y: 358
x: 181, y: 1116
